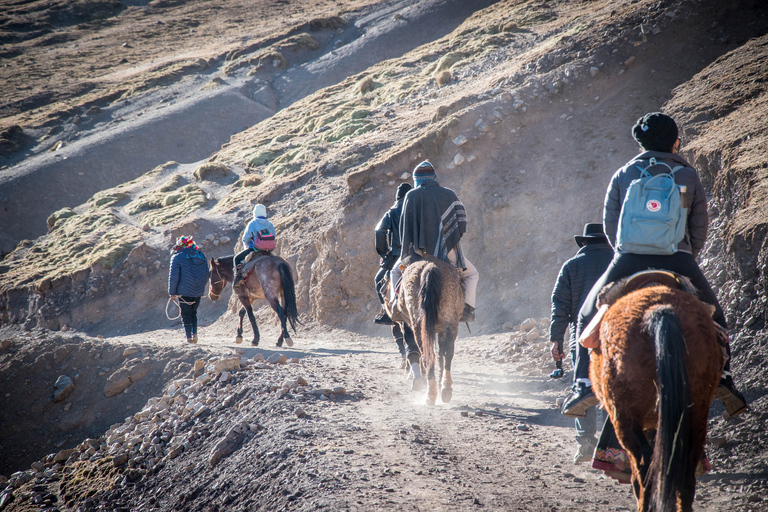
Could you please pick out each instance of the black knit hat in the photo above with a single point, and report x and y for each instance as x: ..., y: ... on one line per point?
x: 402, y: 190
x: 655, y: 132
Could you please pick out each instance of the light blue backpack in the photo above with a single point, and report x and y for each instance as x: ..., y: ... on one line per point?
x: 653, y: 216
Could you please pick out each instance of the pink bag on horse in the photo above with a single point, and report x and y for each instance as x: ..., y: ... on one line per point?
x: 265, y: 241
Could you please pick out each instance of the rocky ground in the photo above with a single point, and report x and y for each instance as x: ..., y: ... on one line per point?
x: 127, y: 124
x: 331, y: 425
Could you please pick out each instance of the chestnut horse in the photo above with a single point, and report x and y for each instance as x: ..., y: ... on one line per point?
x: 270, y: 279
x: 656, y: 369
x: 430, y: 301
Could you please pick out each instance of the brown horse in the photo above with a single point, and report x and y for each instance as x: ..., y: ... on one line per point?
x: 430, y: 301
x: 271, y: 279
x: 656, y: 369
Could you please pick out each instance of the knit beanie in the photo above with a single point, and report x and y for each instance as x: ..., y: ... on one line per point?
x: 259, y: 211
x: 402, y: 190
x: 423, y: 172
x: 184, y: 242
x: 655, y: 132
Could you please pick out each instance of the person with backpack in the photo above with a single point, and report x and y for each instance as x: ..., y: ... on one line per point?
x: 259, y: 235
x: 638, y: 247
x: 574, y: 282
x: 388, y: 247
x: 187, y: 278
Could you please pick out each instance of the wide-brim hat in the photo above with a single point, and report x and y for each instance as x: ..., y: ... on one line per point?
x: 592, y: 231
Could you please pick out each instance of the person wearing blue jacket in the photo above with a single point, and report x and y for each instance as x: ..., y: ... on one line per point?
x: 186, y: 282
x: 257, y: 225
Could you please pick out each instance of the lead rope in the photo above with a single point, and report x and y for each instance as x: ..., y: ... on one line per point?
x: 168, y: 316
x: 170, y: 299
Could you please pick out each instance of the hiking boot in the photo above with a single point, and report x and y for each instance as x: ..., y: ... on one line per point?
x: 580, y: 400
x: 468, y: 315
x: 734, y: 401
x: 194, y: 338
x: 189, y: 340
x: 238, y: 275
x: 585, y: 451
x: 383, y: 319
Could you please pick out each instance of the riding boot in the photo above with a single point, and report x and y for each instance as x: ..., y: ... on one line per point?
x: 468, y: 315
x: 238, y: 275
x: 734, y: 401
x: 383, y: 319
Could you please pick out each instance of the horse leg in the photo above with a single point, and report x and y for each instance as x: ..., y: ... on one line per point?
x: 640, y: 454
x: 252, y: 319
x: 446, y: 343
x: 284, y: 334
x: 239, y: 337
x: 432, y: 389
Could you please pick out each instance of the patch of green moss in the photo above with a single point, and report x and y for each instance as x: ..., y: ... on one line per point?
x: 59, y: 215
x: 211, y: 171
x: 353, y: 128
x: 78, y: 242
x: 154, y: 199
x: 176, y: 204
x: 262, y: 157
x: 106, y: 198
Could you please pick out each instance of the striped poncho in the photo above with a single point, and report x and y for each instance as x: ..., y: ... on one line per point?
x: 433, y: 220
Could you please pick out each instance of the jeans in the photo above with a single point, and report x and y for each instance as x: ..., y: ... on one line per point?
x: 624, y: 265
x: 188, y: 307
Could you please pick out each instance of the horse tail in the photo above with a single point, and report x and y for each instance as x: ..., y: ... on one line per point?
x: 289, y: 294
x: 429, y: 302
x: 671, y: 460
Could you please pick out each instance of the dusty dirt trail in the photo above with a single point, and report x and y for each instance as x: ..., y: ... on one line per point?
x: 500, y: 444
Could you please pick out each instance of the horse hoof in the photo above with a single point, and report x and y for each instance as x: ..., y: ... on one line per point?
x: 418, y: 384
x: 239, y: 339
x: 255, y: 343
x: 446, y: 394
x: 289, y: 342
x: 431, y: 401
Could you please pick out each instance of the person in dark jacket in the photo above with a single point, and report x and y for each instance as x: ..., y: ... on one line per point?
x: 187, y: 277
x: 574, y: 282
x: 433, y: 222
x: 657, y: 135
x: 388, y: 247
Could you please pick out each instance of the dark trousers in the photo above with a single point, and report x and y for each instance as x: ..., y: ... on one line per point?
x: 624, y: 265
x: 188, y: 307
x: 406, y: 343
x: 380, y: 281
x: 239, y: 257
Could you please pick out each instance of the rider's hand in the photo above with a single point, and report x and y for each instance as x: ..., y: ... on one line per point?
x: 556, y: 354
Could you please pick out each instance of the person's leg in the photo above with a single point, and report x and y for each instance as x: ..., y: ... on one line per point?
x: 394, y: 277
x: 186, y: 317
x: 585, y: 436
x: 381, y: 280
x: 470, y: 278
x: 685, y: 264
x: 577, y: 404
x: 194, y: 304
x: 239, y: 257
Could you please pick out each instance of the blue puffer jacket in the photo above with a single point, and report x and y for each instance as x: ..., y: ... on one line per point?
x: 188, y: 274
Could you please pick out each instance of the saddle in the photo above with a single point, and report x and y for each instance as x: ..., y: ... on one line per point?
x: 250, y: 263
x: 612, y: 292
